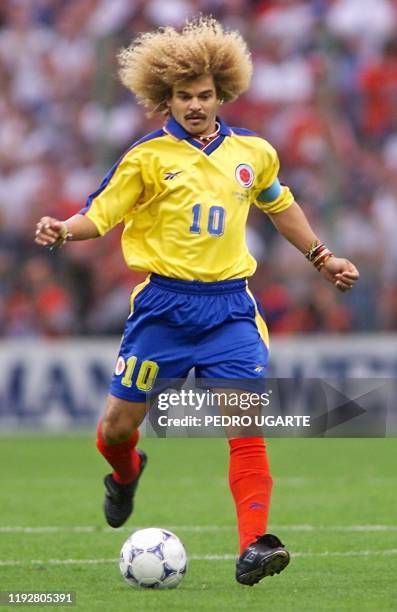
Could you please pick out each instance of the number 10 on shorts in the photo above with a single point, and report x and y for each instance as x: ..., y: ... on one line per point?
x: 147, y: 373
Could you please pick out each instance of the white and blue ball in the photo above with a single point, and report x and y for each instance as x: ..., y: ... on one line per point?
x: 153, y: 558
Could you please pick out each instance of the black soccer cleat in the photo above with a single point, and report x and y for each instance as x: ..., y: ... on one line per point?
x: 265, y: 557
x: 119, y: 498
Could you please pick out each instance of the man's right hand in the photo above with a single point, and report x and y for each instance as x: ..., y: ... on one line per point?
x: 51, y: 232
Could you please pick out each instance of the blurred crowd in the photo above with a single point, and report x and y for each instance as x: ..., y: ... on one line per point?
x: 324, y: 93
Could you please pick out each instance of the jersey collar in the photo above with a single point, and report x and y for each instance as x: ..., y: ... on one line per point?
x: 175, y: 129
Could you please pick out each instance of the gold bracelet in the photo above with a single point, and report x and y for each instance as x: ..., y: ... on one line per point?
x: 64, y: 236
x: 318, y: 257
x: 312, y: 249
x: 327, y: 256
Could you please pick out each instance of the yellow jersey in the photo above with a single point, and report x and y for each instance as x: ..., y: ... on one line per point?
x: 184, y: 202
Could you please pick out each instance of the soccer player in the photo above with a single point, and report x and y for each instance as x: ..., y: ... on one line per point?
x: 183, y: 194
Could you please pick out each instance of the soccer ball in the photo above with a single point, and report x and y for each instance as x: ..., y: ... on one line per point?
x: 153, y: 558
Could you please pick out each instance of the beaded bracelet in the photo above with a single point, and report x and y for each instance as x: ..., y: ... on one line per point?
x: 318, y: 254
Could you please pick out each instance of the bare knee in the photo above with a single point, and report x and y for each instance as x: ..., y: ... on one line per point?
x: 120, y: 420
x: 115, y: 430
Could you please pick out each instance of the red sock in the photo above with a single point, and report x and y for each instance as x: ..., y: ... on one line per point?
x: 251, y: 485
x: 123, y: 457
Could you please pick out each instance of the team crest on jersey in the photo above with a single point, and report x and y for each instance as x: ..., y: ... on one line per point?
x: 245, y: 175
x: 120, y: 366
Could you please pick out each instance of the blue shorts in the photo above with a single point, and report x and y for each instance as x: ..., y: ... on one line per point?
x: 176, y: 325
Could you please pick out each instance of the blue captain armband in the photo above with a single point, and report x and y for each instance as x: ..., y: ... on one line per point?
x: 271, y: 193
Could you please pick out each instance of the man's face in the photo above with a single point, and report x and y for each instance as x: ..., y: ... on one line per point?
x: 194, y: 105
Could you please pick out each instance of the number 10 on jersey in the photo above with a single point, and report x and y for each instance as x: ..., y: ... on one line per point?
x: 215, y: 223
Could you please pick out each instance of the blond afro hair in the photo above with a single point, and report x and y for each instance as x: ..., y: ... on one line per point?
x: 155, y: 61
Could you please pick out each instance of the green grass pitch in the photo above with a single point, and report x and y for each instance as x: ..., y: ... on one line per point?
x: 334, y: 505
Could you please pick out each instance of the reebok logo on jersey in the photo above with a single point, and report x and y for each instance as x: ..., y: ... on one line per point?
x: 245, y: 175
x: 171, y: 175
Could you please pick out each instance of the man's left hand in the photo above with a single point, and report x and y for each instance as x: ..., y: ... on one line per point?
x: 340, y: 272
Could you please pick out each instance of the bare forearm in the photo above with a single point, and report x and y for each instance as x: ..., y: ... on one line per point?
x: 294, y: 226
x: 81, y: 227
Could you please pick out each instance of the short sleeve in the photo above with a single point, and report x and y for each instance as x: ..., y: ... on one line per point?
x: 116, y: 196
x: 271, y: 195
